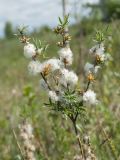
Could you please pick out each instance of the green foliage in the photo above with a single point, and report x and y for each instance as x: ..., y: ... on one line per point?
x: 71, y: 105
x: 40, y: 47
x: 8, y: 30
x: 28, y: 92
x: 99, y: 36
x: 63, y: 22
x: 109, y: 9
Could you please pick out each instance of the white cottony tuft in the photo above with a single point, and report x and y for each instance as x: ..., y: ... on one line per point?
x: 68, y: 78
x: 66, y: 56
x: 90, y: 97
x: 99, y: 48
x: 52, y: 64
x: 90, y: 68
x: 55, y: 64
x: 72, y: 78
x: 29, y: 50
x: 34, y: 67
x: 96, y: 68
x: 53, y: 96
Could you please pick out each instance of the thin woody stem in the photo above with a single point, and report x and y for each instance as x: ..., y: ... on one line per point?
x: 46, y: 81
x: 88, y: 84
x: 77, y: 136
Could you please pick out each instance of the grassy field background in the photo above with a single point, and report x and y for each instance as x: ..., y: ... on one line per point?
x: 54, y: 138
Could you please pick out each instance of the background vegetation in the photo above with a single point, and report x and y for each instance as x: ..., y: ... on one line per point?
x: 21, y: 95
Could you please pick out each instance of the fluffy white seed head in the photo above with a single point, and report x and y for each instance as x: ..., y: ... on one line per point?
x: 66, y: 56
x: 55, y: 64
x: 50, y: 66
x: 53, y: 96
x: 90, y: 97
x: 96, y: 68
x: 90, y: 68
x: 29, y: 50
x: 34, y: 67
x: 99, y: 49
x: 68, y: 78
x: 72, y: 78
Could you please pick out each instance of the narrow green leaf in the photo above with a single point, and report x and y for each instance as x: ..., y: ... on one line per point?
x: 60, y: 21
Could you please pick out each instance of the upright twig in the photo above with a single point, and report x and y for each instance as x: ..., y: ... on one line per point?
x: 64, y: 8
x: 18, y: 145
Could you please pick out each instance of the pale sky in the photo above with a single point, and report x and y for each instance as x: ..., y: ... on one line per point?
x: 35, y: 13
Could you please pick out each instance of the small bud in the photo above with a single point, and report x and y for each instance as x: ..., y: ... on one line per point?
x: 91, y: 77
x: 60, y: 44
x: 39, y: 51
x: 59, y: 30
x: 46, y: 70
x: 100, y: 58
x: 67, y: 37
x: 24, y: 39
